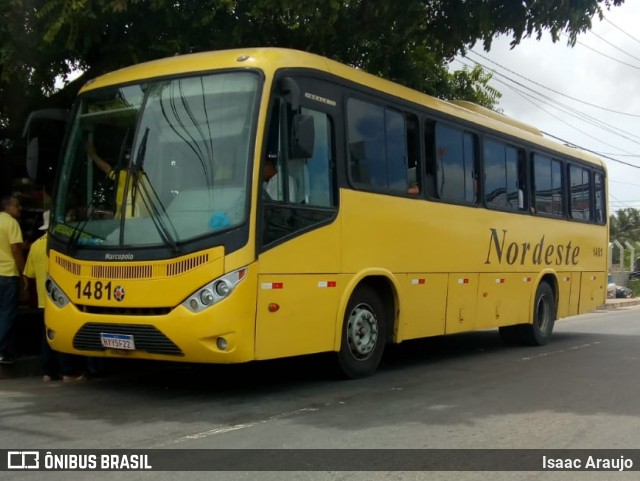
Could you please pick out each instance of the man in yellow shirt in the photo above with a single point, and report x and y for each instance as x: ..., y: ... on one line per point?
x: 11, y: 265
x: 37, y: 260
x: 54, y: 363
x: 124, y: 184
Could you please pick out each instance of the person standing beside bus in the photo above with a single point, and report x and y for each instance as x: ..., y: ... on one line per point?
x: 36, y: 268
x: 11, y: 265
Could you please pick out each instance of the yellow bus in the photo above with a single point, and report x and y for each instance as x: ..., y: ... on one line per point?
x: 255, y: 204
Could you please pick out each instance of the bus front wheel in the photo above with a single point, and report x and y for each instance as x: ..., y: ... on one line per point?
x: 363, y: 334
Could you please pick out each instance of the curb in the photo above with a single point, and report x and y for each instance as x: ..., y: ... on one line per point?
x: 619, y: 304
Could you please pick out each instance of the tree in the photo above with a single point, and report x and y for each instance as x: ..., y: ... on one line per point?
x: 624, y: 225
x: 410, y: 41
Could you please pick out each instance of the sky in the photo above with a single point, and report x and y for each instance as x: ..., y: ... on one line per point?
x: 550, y: 86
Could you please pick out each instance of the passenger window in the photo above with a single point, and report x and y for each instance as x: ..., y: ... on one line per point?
x: 430, y: 165
x: 502, y: 186
x: 548, y: 185
x: 414, y: 183
x: 377, y: 146
x: 456, y: 172
x: 600, y: 200
x: 580, y: 190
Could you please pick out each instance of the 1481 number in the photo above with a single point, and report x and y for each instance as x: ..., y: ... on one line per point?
x: 94, y: 290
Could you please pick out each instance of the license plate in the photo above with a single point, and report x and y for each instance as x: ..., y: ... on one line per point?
x: 117, y: 341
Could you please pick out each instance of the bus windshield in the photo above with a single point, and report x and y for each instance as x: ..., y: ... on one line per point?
x: 157, y: 163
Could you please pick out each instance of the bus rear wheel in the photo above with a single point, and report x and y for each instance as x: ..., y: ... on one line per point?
x: 363, y: 334
x: 539, y: 331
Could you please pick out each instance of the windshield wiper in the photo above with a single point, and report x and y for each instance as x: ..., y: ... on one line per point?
x: 158, y: 217
x: 150, y: 201
x: 78, y: 229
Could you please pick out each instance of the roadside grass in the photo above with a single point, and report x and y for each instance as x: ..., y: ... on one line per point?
x: 634, y: 285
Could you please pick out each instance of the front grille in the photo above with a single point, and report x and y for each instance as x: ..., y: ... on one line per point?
x: 185, y: 265
x: 69, y: 266
x: 134, y: 271
x: 146, y: 338
x: 124, y: 311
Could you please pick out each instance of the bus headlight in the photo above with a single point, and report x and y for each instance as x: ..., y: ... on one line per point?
x: 58, y: 297
x: 222, y: 288
x: 206, y: 297
x: 215, y: 291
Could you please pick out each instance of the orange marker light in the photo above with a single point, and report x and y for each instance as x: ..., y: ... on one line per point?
x: 273, y: 307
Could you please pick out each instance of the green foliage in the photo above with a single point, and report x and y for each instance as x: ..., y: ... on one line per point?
x: 634, y: 285
x: 624, y: 226
x: 473, y: 85
x: 408, y: 41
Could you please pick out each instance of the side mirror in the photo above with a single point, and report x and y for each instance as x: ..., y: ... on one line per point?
x: 44, y: 131
x: 302, y: 136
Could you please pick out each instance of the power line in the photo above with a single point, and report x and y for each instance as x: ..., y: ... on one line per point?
x: 619, y: 155
x: 526, y: 96
x: 612, y: 45
x: 570, y: 111
x: 591, y: 151
x: 552, y: 90
x: 616, y: 27
x: 607, y: 56
x: 566, y: 109
x: 625, y: 183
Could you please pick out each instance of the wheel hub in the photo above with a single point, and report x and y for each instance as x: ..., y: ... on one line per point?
x: 362, y: 331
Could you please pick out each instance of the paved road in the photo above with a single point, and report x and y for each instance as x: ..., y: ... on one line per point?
x: 465, y: 391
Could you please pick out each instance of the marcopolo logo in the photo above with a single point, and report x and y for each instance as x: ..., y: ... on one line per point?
x: 118, y: 257
x: 23, y: 460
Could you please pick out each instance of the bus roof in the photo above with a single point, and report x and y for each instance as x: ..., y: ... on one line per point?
x: 269, y: 60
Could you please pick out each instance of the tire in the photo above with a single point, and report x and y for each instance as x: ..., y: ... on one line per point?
x: 539, y: 331
x: 363, y: 334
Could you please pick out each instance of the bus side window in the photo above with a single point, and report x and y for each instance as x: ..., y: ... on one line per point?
x: 317, y: 179
x: 457, y: 167
x: 430, y: 165
x: 600, y: 196
x: 502, y: 177
x: 580, y: 193
x: 523, y: 191
x: 413, y: 156
x: 378, y: 146
x: 548, y: 185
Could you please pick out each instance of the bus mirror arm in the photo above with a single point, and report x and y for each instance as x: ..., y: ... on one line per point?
x: 302, y: 136
x: 291, y: 91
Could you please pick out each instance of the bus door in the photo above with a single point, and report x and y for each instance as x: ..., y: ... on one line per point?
x: 299, y: 251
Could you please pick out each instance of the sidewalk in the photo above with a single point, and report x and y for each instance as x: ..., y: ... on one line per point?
x: 619, y: 303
